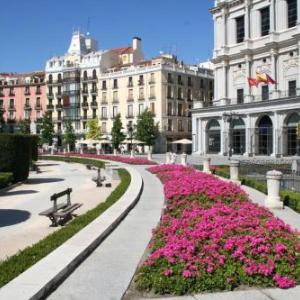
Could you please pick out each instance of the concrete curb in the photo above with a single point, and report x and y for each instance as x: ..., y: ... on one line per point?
x: 40, y: 279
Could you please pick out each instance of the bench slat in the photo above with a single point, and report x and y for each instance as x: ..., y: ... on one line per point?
x: 52, y: 210
x: 67, y: 210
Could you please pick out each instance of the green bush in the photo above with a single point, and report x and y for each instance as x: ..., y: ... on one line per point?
x: 34, y: 147
x: 17, y: 264
x: 5, y: 179
x: 15, y: 155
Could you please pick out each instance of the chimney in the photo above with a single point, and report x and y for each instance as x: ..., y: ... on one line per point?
x: 136, y: 43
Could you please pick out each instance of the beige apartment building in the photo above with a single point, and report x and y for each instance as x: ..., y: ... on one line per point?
x: 87, y: 83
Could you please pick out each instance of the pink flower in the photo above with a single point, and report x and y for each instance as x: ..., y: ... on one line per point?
x: 283, y: 282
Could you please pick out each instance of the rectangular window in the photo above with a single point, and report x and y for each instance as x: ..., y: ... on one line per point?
x: 1, y: 103
x: 104, y: 112
x: 141, y: 108
x: 179, y: 79
x: 103, y: 127
x: 240, y: 96
x: 115, y: 111
x: 11, y: 103
x: 189, y: 81
x: 141, y: 93
x: 265, y: 92
x: 170, y: 125
x: 201, y: 84
x: 240, y: 29
x: 115, y: 96
x: 27, y: 102
x: 189, y: 95
x: 94, y: 113
x: 180, y: 96
x: 104, y: 95
x: 180, y: 127
x: 115, y: 86
x: 130, y: 94
x: 152, y: 78
x: 104, y: 85
x: 292, y: 13
x: 169, y: 92
x: 152, y: 92
x: 179, y: 110
x: 189, y: 125
x: 292, y: 88
x: 152, y: 108
x: 265, y: 21
x: 170, y: 80
x: 141, y: 80
x: 130, y: 110
x: 169, y: 109
x: 130, y: 82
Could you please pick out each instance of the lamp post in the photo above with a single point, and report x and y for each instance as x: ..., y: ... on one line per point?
x: 229, y: 117
x: 130, y: 132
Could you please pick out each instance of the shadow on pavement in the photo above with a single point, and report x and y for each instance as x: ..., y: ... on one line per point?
x: 43, y: 180
x: 13, y: 216
x: 16, y: 193
x: 46, y: 165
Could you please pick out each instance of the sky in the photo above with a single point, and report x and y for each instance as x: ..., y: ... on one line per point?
x: 34, y: 30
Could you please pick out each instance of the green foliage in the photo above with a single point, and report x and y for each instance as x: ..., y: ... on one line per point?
x: 15, y: 155
x: 146, y: 129
x: 6, y: 179
x: 35, y: 139
x: 69, y: 136
x: 47, y: 129
x: 16, y: 264
x: 116, y: 132
x: 24, y: 126
x: 93, y: 130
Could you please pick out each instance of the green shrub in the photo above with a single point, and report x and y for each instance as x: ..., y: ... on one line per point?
x: 5, y: 179
x: 15, y: 155
x: 34, y: 147
x: 17, y: 264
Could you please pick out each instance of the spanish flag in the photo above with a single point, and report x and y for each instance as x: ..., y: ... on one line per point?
x: 252, y: 82
x: 271, y: 80
x: 261, y: 77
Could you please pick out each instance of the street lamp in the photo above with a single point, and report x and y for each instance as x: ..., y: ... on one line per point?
x: 229, y: 117
x: 130, y: 132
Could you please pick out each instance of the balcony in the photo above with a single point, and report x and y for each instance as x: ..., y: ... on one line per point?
x: 58, y: 95
x: 50, y: 107
x: 85, y: 92
x: 94, y: 91
x: 85, y: 118
x: 1, y: 94
x: 59, y: 107
x: 152, y: 97
x: 38, y: 92
x: 103, y: 88
x: 115, y: 101
x: 11, y: 119
x: 141, y: 82
x: 94, y: 104
x: 50, y: 95
x: 38, y: 106
x: 103, y: 118
x: 130, y: 99
x: 89, y: 79
x: 131, y: 116
x: 27, y: 107
x: 104, y: 102
x: 11, y: 94
x: 130, y: 84
x: 141, y: 98
x: 2, y: 109
x: 85, y: 105
x: 151, y: 81
x: 11, y: 107
x: 72, y: 118
x: 180, y: 82
x: 55, y: 82
x: 27, y: 92
x: 39, y: 120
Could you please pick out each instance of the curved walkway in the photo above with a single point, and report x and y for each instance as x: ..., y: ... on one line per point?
x: 108, y: 271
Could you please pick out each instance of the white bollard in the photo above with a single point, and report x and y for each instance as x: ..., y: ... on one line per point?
x: 98, y: 148
x: 234, y: 171
x: 184, y: 159
x: 132, y: 153
x: 206, y: 164
x: 52, y: 150
x: 149, y: 155
x: 81, y: 150
x: 273, y: 182
x: 168, y: 158
x: 115, y: 151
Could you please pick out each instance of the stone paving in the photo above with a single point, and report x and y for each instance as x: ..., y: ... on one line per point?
x: 20, y: 224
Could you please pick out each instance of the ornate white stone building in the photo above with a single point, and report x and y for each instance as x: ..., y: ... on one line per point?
x: 252, y: 36
x: 87, y: 83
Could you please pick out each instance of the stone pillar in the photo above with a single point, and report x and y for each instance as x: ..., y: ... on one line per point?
x: 98, y: 147
x: 131, y: 153
x: 273, y: 182
x: 248, y: 93
x: 275, y: 137
x: 274, y: 91
x: 223, y: 141
x: 272, y: 16
x: 247, y: 22
x: 206, y: 164
x: 184, y: 159
x: 81, y: 149
x: 234, y: 171
x: 149, y: 155
x: 115, y: 151
x: 52, y: 150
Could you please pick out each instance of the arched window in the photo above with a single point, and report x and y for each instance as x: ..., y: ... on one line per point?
x: 292, y: 123
x: 59, y: 77
x: 238, y: 136
x: 50, y: 78
x: 213, y: 133
x: 94, y: 74
x: 265, y: 136
x: 85, y: 74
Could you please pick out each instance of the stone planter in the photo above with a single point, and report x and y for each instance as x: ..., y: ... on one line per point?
x: 234, y: 171
x: 273, y: 182
x: 184, y: 159
x: 206, y: 165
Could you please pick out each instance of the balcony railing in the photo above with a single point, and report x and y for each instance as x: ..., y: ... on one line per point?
x: 38, y: 92
x: 11, y: 93
x: 27, y: 107
x: 104, y: 88
x: 94, y: 104
x: 152, y: 97
x: 130, y: 99
x: 85, y: 105
x: 103, y: 118
x: 104, y: 102
x: 50, y: 95
x: 11, y: 107
x: 38, y: 106
x: 93, y: 91
x: 50, y: 107
x: 131, y: 116
x: 89, y: 79
x: 151, y: 81
x: 85, y: 92
x: 27, y: 92
x: 58, y: 95
x: 141, y: 98
x: 1, y: 94
x: 115, y: 101
x: 59, y: 106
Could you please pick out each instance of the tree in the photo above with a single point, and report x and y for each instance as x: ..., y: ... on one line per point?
x: 24, y: 126
x: 146, y: 129
x: 2, y: 121
x: 117, y: 136
x: 93, y: 130
x: 47, y: 129
x: 69, y: 135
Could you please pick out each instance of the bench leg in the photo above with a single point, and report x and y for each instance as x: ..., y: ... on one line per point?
x: 53, y: 220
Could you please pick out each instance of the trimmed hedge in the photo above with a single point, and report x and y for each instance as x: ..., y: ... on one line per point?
x: 86, y: 161
x: 34, y: 147
x: 289, y: 198
x: 5, y: 179
x: 18, y: 263
x: 15, y: 155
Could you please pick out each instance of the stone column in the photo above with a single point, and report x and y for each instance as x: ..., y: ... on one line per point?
x: 273, y: 182
x: 281, y: 19
x: 275, y: 137
x: 206, y: 164
x: 149, y: 155
x: 247, y: 22
x: 234, y: 171
x: 223, y: 142
x: 248, y: 93
x: 115, y: 151
x: 247, y: 137
x: 274, y: 91
x: 184, y: 159
x: 272, y: 16
x: 168, y: 158
x: 131, y: 153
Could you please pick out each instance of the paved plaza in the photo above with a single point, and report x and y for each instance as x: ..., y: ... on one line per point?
x: 20, y: 223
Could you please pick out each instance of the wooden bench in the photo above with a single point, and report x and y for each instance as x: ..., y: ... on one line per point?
x: 62, y: 212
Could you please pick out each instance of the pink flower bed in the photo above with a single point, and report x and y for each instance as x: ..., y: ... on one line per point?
x: 212, y: 237
x: 123, y: 159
